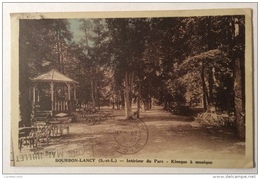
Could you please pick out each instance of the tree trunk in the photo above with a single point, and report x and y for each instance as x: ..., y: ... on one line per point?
x: 117, y: 100
x: 24, y: 82
x: 93, y: 94
x: 204, y: 88
x: 25, y: 103
x: 165, y: 104
x: 97, y: 94
x: 239, y: 112
x: 131, y: 82
x: 98, y: 100
x: 139, y: 100
x: 238, y: 56
x: 150, y: 102
x: 61, y: 55
x: 146, y: 107
x: 59, y: 52
x: 210, y: 77
x: 128, y: 109
x: 211, y: 81
x: 113, y: 101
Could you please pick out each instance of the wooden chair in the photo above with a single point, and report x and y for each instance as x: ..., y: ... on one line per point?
x: 42, y: 133
x: 26, y: 137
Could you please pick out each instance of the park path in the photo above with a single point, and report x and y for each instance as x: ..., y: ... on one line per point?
x: 169, y: 136
x: 173, y: 135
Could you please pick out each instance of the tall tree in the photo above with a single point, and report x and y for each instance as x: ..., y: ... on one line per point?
x: 238, y: 56
x: 36, y: 55
x: 127, y: 42
x: 97, y: 62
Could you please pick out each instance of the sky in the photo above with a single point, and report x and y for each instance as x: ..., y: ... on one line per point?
x: 77, y: 34
x: 74, y: 28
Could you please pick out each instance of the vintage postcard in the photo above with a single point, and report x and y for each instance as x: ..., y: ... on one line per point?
x: 142, y: 89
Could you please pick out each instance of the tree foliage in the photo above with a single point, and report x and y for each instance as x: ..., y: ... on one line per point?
x: 42, y: 46
x: 121, y: 61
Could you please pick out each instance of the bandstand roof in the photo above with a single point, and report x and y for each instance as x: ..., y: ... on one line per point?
x: 53, y: 76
